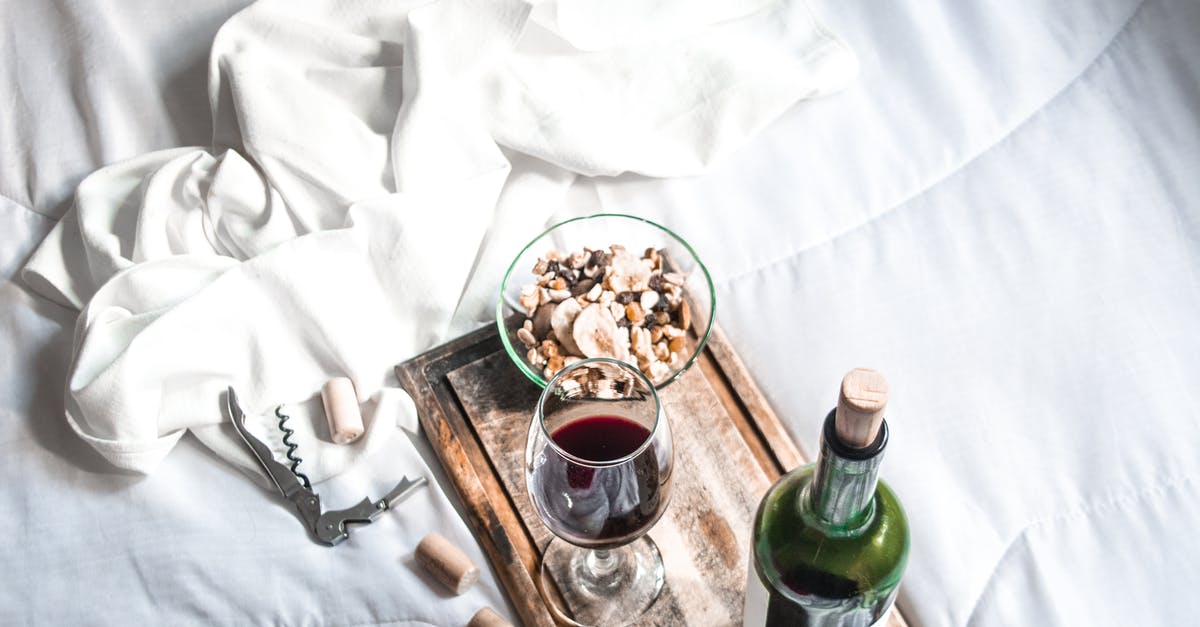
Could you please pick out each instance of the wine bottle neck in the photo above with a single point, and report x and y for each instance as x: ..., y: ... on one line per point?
x: 840, y: 500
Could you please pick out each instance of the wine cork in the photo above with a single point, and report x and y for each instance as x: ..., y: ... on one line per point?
x: 487, y: 617
x: 860, y: 407
x: 447, y: 563
x: 341, y: 410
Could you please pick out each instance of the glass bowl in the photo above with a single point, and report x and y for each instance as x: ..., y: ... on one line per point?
x: 684, y: 292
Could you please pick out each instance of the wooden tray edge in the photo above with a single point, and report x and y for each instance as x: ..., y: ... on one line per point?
x: 491, y: 520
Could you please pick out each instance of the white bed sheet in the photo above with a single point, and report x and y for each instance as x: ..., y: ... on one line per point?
x: 1001, y: 215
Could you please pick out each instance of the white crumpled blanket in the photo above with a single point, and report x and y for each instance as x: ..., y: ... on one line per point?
x: 374, y: 165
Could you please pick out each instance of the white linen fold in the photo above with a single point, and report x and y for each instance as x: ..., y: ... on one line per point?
x: 662, y: 107
x: 589, y: 25
x: 357, y: 200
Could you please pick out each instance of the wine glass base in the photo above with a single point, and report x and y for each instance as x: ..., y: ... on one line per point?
x: 583, y: 588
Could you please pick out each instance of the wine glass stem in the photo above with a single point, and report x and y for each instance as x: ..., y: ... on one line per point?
x: 601, y: 563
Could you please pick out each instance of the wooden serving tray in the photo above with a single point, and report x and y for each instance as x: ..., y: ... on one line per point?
x: 475, y: 406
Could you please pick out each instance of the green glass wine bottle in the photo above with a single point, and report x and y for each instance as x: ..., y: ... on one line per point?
x: 830, y: 539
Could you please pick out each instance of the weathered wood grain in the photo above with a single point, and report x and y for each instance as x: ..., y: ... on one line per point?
x: 476, y: 408
x: 746, y: 402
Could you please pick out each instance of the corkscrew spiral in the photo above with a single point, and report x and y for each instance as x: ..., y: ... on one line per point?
x: 291, y: 446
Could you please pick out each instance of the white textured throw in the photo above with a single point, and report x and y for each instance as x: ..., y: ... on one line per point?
x: 373, y: 166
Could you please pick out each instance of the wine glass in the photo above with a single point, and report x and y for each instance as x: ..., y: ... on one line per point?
x: 598, y: 466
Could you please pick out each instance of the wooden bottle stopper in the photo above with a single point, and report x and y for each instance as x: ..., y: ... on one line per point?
x: 860, y: 407
x: 487, y: 617
x: 446, y: 562
x: 341, y: 410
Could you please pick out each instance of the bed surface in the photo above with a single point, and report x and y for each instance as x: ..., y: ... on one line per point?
x: 1001, y: 214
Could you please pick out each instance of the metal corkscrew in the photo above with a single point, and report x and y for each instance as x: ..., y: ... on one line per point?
x: 325, y: 527
x: 291, y: 446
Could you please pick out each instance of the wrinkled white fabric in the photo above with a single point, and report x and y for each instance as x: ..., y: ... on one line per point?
x: 590, y: 26
x: 361, y: 177
x: 1000, y: 213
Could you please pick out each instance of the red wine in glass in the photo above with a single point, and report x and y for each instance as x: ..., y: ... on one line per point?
x: 598, y: 468
x: 592, y: 496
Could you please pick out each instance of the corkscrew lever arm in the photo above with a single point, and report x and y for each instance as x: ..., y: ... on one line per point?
x: 331, y: 526
x: 327, y: 528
